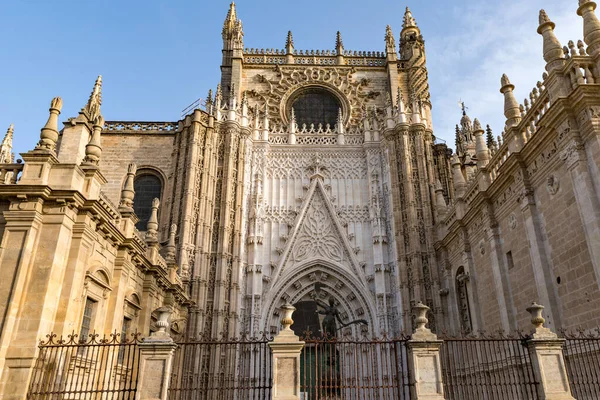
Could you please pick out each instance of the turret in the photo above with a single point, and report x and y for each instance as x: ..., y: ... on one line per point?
x: 6, y: 155
x: 553, y: 53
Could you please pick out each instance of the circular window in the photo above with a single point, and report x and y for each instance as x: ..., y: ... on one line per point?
x: 315, y: 106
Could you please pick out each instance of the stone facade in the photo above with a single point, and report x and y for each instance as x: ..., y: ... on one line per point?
x: 257, y: 206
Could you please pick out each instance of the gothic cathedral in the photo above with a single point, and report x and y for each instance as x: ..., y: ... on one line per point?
x: 309, y: 175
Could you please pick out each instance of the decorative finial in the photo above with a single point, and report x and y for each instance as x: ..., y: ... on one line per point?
x: 504, y: 81
x: 128, y: 192
x: 152, y: 226
x: 170, y: 247
x: 92, y: 108
x: 421, y: 331
x: 49, y: 134
x: 409, y: 21
x: 289, y: 43
x: 537, y: 320
x: 93, y: 150
x: 477, y: 125
x: 544, y: 17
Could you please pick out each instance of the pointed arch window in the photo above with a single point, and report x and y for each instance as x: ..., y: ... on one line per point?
x: 462, y: 299
x: 147, y: 186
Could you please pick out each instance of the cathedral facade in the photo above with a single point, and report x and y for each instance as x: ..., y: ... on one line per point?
x: 309, y: 175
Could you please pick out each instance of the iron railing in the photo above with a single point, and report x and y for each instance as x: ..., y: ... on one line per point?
x: 69, y: 368
x: 348, y: 368
x: 238, y: 368
x: 486, y: 366
x: 582, y: 360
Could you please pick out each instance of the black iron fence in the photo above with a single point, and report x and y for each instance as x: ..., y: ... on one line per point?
x: 101, y: 367
x: 582, y: 360
x: 485, y: 366
x: 345, y: 368
x: 238, y: 368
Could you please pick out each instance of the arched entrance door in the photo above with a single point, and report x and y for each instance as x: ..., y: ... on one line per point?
x: 318, y: 365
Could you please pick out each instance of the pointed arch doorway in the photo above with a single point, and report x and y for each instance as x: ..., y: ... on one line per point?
x: 318, y: 359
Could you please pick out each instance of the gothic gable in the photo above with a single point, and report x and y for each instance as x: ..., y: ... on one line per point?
x: 318, y: 234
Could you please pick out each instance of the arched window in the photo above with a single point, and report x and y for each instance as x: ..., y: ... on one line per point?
x: 462, y: 298
x: 147, y: 187
x: 315, y: 106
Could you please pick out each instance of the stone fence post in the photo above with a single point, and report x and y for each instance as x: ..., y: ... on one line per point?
x: 424, y: 359
x: 156, y: 360
x: 286, y: 348
x: 546, y: 352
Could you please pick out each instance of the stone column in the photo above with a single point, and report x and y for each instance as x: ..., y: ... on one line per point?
x: 156, y: 360
x: 286, y: 348
x: 545, y: 350
x: 424, y: 359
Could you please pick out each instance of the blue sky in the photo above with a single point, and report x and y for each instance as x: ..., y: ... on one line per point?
x: 156, y: 57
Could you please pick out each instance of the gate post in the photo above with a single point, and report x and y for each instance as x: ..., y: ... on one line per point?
x: 546, y: 352
x: 286, y: 348
x: 424, y: 359
x: 156, y: 361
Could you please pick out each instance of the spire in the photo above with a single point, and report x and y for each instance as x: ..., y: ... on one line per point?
x: 409, y: 21
x: 511, y: 106
x: 289, y: 43
x: 339, y: 45
x: 490, y: 141
x: 92, y: 108
x: 591, y: 26
x: 390, y: 42
x: 230, y: 20
x: 6, y: 156
x: 552, y: 48
x: 458, y: 141
x: 49, y: 134
x: 233, y: 32
x: 209, y: 102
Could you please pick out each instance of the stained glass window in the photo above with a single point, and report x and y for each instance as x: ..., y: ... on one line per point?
x: 316, y: 106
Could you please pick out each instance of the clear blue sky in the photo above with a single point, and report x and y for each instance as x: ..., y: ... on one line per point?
x: 156, y: 57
